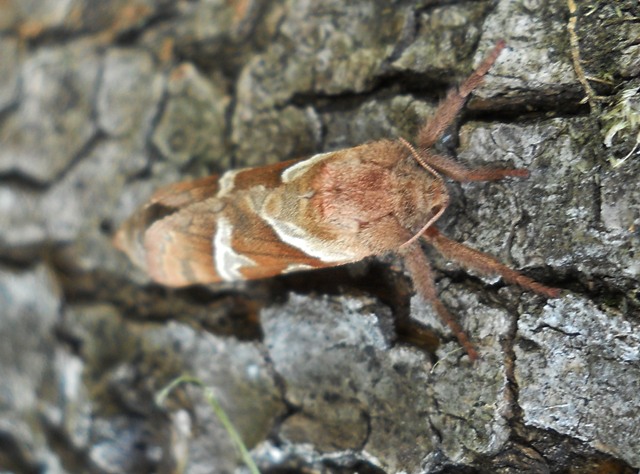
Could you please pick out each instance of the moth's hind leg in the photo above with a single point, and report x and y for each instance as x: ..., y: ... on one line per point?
x: 483, y: 263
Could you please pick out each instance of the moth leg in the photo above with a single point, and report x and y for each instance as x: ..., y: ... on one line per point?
x: 422, y: 275
x: 483, y: 263
x: 459, y: 172
x: 448, y: 109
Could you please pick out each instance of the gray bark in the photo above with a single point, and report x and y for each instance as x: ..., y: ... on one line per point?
x: 102, y: 102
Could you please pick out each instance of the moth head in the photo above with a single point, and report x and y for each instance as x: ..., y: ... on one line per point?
x: 426, y: 196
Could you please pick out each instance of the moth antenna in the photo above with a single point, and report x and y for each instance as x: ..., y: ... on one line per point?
x: 436, y: 175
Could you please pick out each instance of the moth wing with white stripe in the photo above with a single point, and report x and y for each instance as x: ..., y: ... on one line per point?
x: 211, y: 230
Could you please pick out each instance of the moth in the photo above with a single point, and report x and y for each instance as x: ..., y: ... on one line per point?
x: 331, y: 209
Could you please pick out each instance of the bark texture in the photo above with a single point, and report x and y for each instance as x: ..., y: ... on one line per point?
x: 102, y: 102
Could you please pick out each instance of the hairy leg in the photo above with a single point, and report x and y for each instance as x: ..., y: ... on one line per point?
x: 415, y: 260
x: 483, y: 263
x: 422, y: 276
x: 449, y: 108
x: 459, y: 172
x: 444, y: 116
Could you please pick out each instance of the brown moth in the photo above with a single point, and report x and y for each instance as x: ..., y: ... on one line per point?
x: 331, y: 209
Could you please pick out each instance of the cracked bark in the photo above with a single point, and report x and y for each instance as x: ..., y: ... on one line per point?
x: 97, y: 112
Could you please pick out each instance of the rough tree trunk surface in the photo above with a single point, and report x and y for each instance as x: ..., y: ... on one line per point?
x: 102, y: 102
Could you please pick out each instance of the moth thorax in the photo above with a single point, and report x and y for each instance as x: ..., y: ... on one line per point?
x: 351, y: 197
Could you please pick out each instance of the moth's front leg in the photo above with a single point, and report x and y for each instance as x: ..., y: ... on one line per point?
x: 485, y: 264
x: 461, y: 173
x: 423, y: 280
x: 448, y: 109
